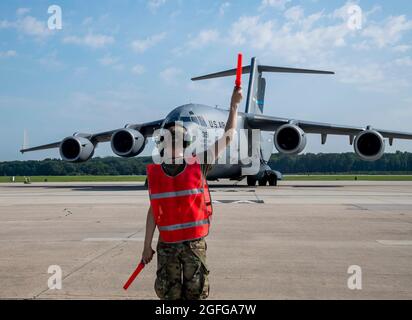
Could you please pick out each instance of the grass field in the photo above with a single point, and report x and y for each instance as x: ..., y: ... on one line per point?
x: 142, y: 178
x: 347, y: 177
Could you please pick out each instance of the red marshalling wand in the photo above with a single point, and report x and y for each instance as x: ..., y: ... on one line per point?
x: 134, y: 275
x: 239, y: 72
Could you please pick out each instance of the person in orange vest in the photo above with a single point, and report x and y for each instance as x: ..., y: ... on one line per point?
x: 181, y: 208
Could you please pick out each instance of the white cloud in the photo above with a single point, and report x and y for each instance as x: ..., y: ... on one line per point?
x: 277, y: 4
x: 8, y: 54
x: 404, y: 62
x: 155, y: 4
x: 322, y: 40
x: 345, y: 12
x: 169, y: 75
x: 251, y: 29
x: 309, y: 21
x: 294, y: 13
x: 361, y: 75
x: 90, y: 40
x: 374, y: 77
x: 202, y: 39
x: 314, y: 37
x: 79, y: 71
x: 342, y: 12
x: 27, y: 25
x: 51, y: 62
x: 389, y: 33
x: 402, y: 48
x: 22, y: 11
x: 87, y: 21
x: 141, y: 45
x: 138, y: 69
x: 108, y: 60
x: 31, y: 26
x: 4, y: 24
x: 223, y: 7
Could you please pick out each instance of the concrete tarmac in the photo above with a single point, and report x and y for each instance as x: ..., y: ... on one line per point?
x: 295, y: 241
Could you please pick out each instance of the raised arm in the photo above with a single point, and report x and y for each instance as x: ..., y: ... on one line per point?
x: 231, y: 123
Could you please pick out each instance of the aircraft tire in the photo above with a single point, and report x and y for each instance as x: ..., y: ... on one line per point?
x: 273, y: 180
x: 263, y: 181
x: 251, y: 181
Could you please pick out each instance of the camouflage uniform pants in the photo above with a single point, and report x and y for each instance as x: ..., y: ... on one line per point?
x: 182, y: 271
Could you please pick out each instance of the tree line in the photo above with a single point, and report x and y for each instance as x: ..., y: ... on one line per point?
x: 327, y: 163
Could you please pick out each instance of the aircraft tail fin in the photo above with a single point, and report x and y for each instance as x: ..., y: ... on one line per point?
x: 257, y: 84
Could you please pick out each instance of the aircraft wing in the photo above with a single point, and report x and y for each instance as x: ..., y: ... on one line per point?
x: 146, y: 129
x: 267, y: 123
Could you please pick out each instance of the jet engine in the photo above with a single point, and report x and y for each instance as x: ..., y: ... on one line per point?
x: 127, y: 143
x: 369, y: 145
x: 76, y: 149
x: 290, y: 139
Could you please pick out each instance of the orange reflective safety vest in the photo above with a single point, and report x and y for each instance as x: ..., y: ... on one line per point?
x: 181, y: 204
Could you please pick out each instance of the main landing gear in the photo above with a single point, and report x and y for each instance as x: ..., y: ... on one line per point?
x: 267, y: 178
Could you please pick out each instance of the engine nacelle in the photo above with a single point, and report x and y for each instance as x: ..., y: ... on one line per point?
x: 127, y: 143
x: 76, y: 149
x: 290, y: 139
x: 369, y: 145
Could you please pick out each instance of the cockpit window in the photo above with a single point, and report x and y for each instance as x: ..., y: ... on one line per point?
x: 194, y: 119
x: 185, y: 119
x: 172, y: 118
x: 190, y: 116
x: 202, y: 121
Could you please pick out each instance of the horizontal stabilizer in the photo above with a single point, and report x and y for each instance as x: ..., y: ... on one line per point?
x: 291, y: 70
x: 227, y: 73
x: 261, y: 68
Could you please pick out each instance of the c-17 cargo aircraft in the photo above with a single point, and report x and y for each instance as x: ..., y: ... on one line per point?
x: 287, y: 135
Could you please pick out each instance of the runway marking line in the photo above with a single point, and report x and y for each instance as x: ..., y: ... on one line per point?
x: 238, y: 201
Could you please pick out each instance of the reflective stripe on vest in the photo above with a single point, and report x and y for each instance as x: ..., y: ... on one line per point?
x: 184, y: 225
x: 182, y: 193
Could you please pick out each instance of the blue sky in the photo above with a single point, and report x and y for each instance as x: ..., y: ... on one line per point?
x: 118, y: 62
